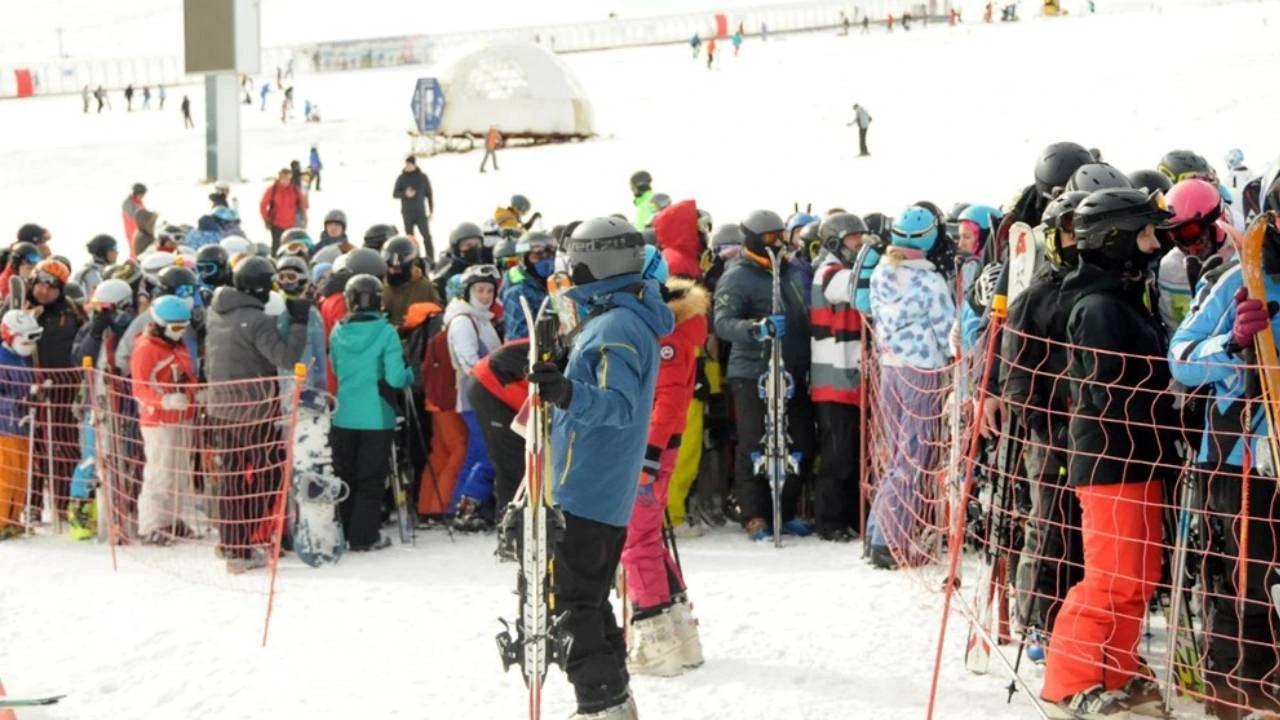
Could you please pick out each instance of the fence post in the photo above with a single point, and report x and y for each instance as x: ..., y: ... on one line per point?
x: 286, y: 486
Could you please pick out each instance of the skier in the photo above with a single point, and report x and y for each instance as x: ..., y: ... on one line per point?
x: 468, y: 342
x: 366, y: 358
x: 281, y: 205
x: 745, y: 316
x: 132, y: 204
x: 511, y: 217
x: 1209, y: 350
x: 737, y: 42
x: 1035, y: 359
x: 1118, y: 457
x: 313, y: 162
x: 528, y: 280
x: 266, y: 88
x: 163, y: 383
x: 664, y: 635
x: 161, y: 92
x: 1194, y: 237
x: 244, y: 352
x: 19, y: 333
x: 603, y: 399
x: 84, y: 98
x: 492, y: 140
x: 417, y: 205
x: 835, y: 376
x: 695, y: 42
x: 102, y: 251
x: 128, y: 97
x: 496, y: 395
x: 61, y: 320
x: 862, y: 119
x: 293, y: 277
x: 36, y: 235
x: 1239, y: 177
x: 173, y: 280
x: 23, y: 256
x: 407, y: 283
x: 913, y: 310
x: 187, y: 122
x: 711, y: 52
x: 112, y: 314
x: 146, y: 97
x: 642, y: 198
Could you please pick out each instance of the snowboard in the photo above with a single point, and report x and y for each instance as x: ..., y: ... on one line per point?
x: 316, y: 533
x: 1025, y: 256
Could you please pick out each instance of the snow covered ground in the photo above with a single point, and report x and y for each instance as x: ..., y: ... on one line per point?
x: 806, y: 632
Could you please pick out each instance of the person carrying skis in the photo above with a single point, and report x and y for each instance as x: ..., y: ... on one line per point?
x: 913, y: 309
x: 468, y: 342
x: 527, y: 280
x: 602, y: 402
x: 1195, y: 237
x: 163, y: 376
x: 745, y: 316
x: 1122, y: 431
x: 368, y: 361
x: 664, y: 633
x: 1209, y: 349
x: 836, y: 374
x: 19, y: 333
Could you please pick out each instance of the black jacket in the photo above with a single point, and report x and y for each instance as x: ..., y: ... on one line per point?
x: 412, y: 207
x: 61, y: 321
x: 744, y: 295
x: 1123, y: 425
x: 1034, y: 360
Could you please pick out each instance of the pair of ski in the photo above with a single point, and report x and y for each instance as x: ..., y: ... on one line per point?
x: 537, y: 639
x: 774, y: 460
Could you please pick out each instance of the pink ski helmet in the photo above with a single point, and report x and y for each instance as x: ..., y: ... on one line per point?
x: 1196, y: 206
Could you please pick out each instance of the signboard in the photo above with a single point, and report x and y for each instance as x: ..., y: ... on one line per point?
x: 221, y: 36
x: 428, y: 105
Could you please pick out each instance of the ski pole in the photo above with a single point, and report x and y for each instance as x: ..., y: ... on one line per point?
x: 669, y: 537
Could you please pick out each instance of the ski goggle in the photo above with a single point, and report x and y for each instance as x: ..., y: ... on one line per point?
x: 48, y: 279
x: 297, y: 248
x: 773, y: 238
x: 486, y: 272
x: 1207, y: 176
x: 290, y: 278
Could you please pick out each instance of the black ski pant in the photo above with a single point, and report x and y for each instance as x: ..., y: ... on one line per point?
x: 1052, y: 550
x: 504, y: 447
x: 1243, y: 642
x: 362, y: 458
x: 586, y: 561
x: 838, y: 491
x: 414, y: 224
x: 249, y: 459
x: 862, y: 141
x: 752, y: 490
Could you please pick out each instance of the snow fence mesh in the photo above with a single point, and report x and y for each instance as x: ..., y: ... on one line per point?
x: 1189, y: 539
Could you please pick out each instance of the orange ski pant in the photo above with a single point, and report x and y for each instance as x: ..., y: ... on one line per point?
x: 448, y: 450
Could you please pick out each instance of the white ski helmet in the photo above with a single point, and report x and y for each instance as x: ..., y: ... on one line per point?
x: 113, y: 292
x: 20, y: 331
x: 234, y: 244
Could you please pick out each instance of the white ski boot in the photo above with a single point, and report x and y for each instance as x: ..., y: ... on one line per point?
x: 685, y: 626
x: 655, y: 649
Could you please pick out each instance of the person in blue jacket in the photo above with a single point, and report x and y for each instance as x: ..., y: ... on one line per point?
x: 527, y: 280
x: 293, y: 276
x: 1208, y: 351
x: 603, y: 400
x: 19, y: 333
x: 367, y: 360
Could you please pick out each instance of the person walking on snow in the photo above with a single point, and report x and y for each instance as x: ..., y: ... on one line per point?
x: 128, y: 97
x: 711, y: 52
x: 664, y: 634
x: 163, y: 382
x: 413, y: 190
x: 602, y: 401
x: 313, y: 162
x: 129, y: 210
x: 737, y: 42
x: 862, y: 119
x: 146, y: 97
x: 187, y: 122
x: 492, y: 140
x: 281, y: 206
x: 161, y: 93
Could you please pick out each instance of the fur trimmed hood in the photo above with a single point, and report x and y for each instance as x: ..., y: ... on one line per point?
x: 687, y: 298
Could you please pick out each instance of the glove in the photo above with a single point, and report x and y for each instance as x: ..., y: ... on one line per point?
x: 1252, y: 316
x: 299, y: 310
x: 554, y: 387
x: 773, y: 326
x: 175, y: 402
x: 101, y: 321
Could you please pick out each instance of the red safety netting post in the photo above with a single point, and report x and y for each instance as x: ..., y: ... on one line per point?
x: 282, y: 504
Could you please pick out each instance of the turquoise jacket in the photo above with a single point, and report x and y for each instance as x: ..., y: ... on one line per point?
x: 366, y: 356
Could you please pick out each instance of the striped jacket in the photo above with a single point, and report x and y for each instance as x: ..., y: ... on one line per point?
x: 835, y: 373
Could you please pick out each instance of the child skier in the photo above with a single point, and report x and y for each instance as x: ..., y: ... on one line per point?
x: 367, y: 359
x: 163, y: 382
x: 663, y: 631
x: 913, y: 310
x: 603, y: 399
x: 19, y: 333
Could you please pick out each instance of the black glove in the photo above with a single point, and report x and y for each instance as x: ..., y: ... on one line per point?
x: 299, y: 310
x: 554, y: 387
x: 101, y: 321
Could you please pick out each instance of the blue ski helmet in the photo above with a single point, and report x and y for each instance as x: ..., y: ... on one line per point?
x: 170, y: 309
x: 800, y: 220
x: 915, y: 228
x: 984, y: 216
x: 655, y: 265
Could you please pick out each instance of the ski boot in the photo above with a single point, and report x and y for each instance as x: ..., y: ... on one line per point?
x: 686, y: 629
x: 468, y: 517
x: 1143, y: 697
x: 690, y: 528
x: 246, y: 560
x: 655, y: 649
x: 82, y: 516
x: 710, y: 512
x: 797, y: 527
x: 882, y: 558
x: 1096, y: 703
x: 838, y: 535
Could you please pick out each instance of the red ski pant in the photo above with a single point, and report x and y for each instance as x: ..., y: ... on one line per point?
x: 1094, y: 640
x: 651, y: 571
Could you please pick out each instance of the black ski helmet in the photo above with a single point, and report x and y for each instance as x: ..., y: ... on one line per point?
x: 176, y: 280
x: 1150, y: 180
x: 1096, y: 176
x: 1107, y: 223
x: 139, y: 189
x: 366, y: 261
x: 1059, y: 216
x: 378, y: 235
x: 23, y: 252
x: 399, y: 250
x: 363, y: 292
x: 100, y: 245
x: 835, y: 228
x: 337, y: 216
x: 602, y: 248
x: 255, y: 276
x: 757, y: 229
x: 1057, y: 163
x: 213, y: 265
x: 464, y: 231
x: 74, y: 293
x: 1178, y: 165
x: 880, y: 226
x: 641, y: 182
x: 300, y: 267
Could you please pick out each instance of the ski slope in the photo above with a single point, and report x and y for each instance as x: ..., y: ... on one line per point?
x: 805, y: 632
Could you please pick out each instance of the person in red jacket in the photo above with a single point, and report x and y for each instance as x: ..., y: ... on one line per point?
x: 129, y: 211
x: 163, y: 383
x: 282, y: 204
x: 664, y: 637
